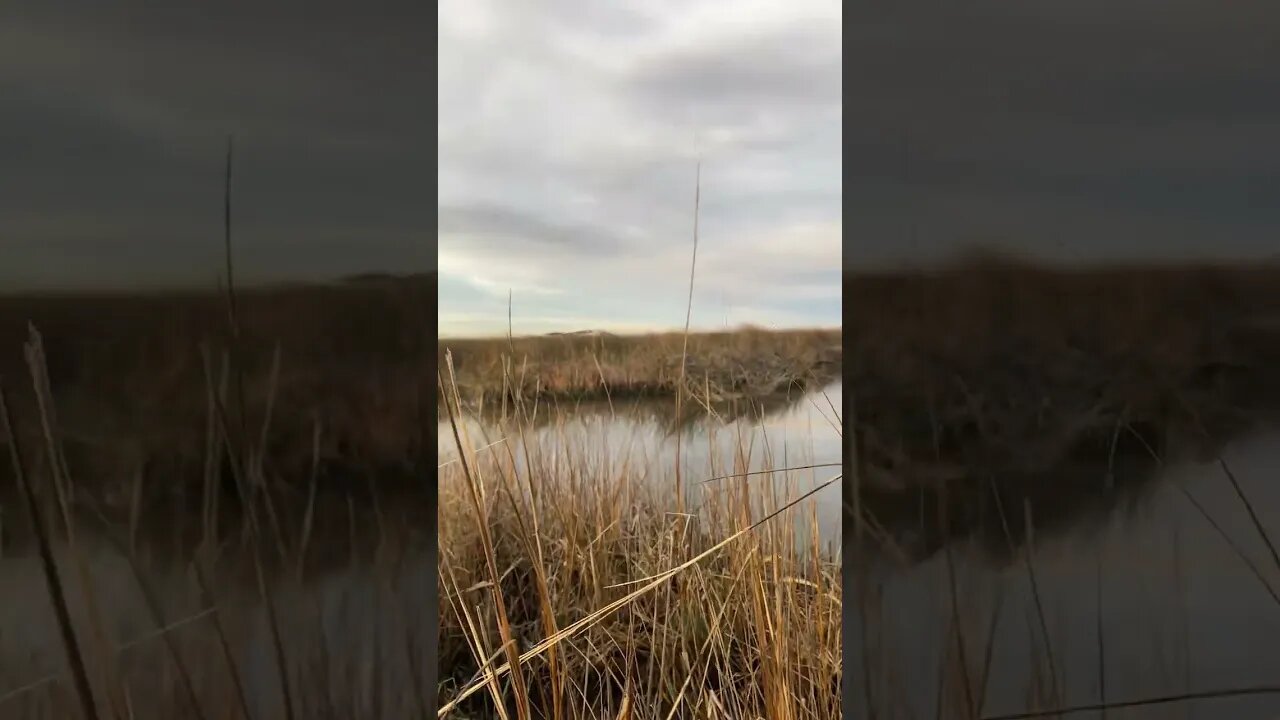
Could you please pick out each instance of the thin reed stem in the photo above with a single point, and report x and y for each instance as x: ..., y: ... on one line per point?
x: 53, y: 583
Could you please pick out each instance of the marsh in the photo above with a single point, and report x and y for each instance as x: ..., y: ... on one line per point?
x: 1060, y: 494
x: 652, y: 550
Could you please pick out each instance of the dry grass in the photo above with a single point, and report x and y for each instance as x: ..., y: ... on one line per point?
x: 1001, y: 401
x: 1047, y: 379
x: 745, y: 363
x: 564, y: 562
x: 208, y: 548
x: 250, y: 615
x: 999, y: 362
x: 128, y: 375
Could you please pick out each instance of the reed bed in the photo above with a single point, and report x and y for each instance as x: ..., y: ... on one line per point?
x: 245, y: 601
x: 233, y: 591
x: 746, y: 363
x: 1001, y: 405
x: 571, y: 587
x: 995, y: 361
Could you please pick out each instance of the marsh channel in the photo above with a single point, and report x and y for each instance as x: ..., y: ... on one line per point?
x: 1091, y: 584
x: 798, y: 435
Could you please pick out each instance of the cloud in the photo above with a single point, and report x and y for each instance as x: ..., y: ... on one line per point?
x: 1075, y: 131
x: 113, y: 120
x: 569, y: 138
x: 500, y: 226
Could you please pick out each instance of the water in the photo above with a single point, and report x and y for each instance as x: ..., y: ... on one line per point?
x: 1176, y: 608
x: 354, y: 623
x: 360, y: 616
x: 803, y: 430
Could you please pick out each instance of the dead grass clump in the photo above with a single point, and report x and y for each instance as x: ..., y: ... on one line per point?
x: 999, y: 362
x: 749, y: 362
x: 615, y: 607
x: 129, y: 375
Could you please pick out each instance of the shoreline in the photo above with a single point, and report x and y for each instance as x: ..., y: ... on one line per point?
x: 721, y: 367
x: 1035, y: 382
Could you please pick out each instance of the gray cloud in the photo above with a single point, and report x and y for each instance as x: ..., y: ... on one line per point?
x: 113, y: 118
x: 1079, y: 130
x: 501, y: 227
x: 569, y: 136
x: 752, y: 73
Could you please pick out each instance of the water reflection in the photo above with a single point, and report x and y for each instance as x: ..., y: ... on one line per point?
x: 1142, y: 575
x: 367, y: 617
x: 353, y: 601
x: 801, y: 429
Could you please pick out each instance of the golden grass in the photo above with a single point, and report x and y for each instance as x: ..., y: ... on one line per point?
x: 744, y: 363
x: 570, y: 590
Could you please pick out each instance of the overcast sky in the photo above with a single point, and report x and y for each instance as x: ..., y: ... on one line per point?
x: 1082, y: 130
x: 569, y: 133
x: 113, y: 119
x: 569, y: 130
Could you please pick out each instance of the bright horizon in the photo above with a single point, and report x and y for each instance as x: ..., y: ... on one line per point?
x: 634, y: 331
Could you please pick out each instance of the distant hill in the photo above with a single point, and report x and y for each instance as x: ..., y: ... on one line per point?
x: 582, y: 333
x: 379, y: 278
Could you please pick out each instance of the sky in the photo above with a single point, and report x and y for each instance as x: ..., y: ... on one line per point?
x: 113, y: 124
x: 1081, y: 131
x: 570, y: 134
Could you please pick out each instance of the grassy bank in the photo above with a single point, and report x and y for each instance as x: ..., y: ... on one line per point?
x: 996, y: 363
x: 343, y: 371
x: 224, y: 512
x: 747, y: 363
x: 229, y: 590
x: 1000, y: 404
x: 568, y: 564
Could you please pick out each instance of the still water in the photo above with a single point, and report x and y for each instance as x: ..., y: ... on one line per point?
x: 1141, y: 596
x: 800, y: 431
x: 357, y: 632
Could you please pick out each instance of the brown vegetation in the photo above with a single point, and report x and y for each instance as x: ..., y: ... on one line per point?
x: 132, y: 374
x: 609, y: 605
x: 1051, y: 386
x: 193, y: 487
x: 1000, y: 363
x: 999, y: 402
x: 208, y: 479
x: 747, y: 363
